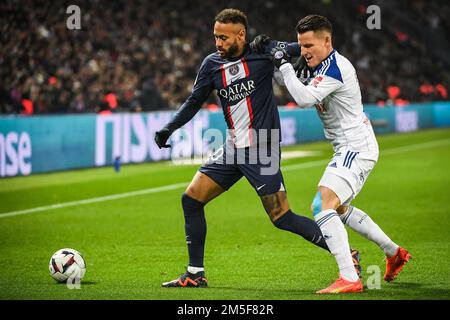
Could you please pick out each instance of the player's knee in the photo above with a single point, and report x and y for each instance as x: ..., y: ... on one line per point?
x: 316, y: 205
x: 342, y: 210
x: 190, y: 191
x: 203, y: 188
x: 325, y: 199
x: 193, y: 192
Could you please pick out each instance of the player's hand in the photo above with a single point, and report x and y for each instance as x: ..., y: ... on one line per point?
x: 301, y: 69
x: 300, y: 65
x: 279, y: 56
x: 259, y: 43
x: 161, y: 138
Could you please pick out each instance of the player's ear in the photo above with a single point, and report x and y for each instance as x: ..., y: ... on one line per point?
x: 328, y: 40
x: 242, y: 35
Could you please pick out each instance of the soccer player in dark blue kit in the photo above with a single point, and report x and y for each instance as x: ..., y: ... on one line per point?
x: 243, y: 80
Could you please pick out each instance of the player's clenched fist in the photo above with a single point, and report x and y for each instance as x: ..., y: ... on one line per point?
x: 279, y: 56
x: 259, y: 43
x: 161, y: 138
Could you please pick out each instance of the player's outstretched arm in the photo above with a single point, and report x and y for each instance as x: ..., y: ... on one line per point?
x: 200, y: 92
x: 186, y: 112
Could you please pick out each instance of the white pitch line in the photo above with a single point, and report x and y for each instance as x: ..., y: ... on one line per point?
x: 417, y: 146
x: 316, y: 163
x: 95, y: 200
x: 304, y: 165
x: 413, y: 147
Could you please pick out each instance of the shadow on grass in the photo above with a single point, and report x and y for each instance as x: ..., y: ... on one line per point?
x: 256, y: 290
x: 418, y: 290
x: 404, y: 290
x: 290, y: 294
x: 82, y: 283
x: 88, y: 283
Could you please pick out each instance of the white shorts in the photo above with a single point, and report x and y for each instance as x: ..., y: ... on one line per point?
x: 347, y: 172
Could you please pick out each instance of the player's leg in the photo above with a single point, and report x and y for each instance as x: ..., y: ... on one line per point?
x: 200, y: 191
x: 282, y: 217
x: 354, y: 175
x: 359, y: 221
x: 271, y: 190
x: 277, y: 207
x: 324, y: 210
x: 210, y: 181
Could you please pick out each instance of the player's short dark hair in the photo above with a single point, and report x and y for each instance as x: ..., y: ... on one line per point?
x: 232, y: 16
x: 314, y: 22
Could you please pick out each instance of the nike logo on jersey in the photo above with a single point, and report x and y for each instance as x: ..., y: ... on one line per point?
x: 260, y: 187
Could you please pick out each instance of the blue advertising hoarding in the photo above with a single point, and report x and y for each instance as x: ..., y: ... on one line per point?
x: 60, y: 142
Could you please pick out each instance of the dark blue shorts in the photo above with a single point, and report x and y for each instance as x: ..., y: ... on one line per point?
x: 228, y: 164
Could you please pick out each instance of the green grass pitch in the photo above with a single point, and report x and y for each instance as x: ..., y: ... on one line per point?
x: 134, y: 243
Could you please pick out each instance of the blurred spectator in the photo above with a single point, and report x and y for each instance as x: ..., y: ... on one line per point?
x: 144, y: 55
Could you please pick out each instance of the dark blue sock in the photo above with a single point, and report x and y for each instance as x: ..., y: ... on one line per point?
x: 195, y: 229
x: 302, y: 226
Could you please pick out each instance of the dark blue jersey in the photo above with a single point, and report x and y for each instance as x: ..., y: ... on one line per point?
x: 244, y: 87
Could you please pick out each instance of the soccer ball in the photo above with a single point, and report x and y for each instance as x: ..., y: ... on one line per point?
x: 67, y: 263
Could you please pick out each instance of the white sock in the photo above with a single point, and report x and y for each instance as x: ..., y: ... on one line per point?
x: 336, y: 237
x: 359, y: 221
x: 194, y: 270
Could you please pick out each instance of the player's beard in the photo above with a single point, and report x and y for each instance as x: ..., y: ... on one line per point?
x: 232, y: 51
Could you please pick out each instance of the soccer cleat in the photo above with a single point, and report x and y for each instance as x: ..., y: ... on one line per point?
x: 356, y: 259
x: 188, y: 280
x: 343, y: 286
x: 395, y: 263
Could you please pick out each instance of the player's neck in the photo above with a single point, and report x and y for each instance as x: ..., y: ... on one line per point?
x: 329, y: 52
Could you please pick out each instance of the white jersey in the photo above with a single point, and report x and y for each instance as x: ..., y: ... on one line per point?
x: 335, y: 86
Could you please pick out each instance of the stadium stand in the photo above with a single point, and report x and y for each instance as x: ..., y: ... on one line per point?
x: 144, y: 55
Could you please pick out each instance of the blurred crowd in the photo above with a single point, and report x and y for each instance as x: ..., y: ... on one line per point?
x: 144, y: 55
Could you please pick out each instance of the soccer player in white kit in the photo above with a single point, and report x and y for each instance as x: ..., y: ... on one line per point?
x: 332, y: 87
